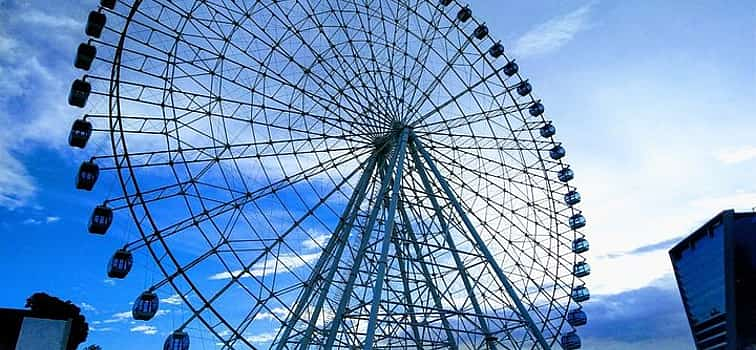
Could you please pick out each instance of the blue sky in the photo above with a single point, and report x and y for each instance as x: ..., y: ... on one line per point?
x: 654, y: 101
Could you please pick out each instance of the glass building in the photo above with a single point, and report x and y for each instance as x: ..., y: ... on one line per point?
x: 715, y: 269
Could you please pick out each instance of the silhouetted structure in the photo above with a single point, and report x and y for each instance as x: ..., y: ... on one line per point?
x: 43, y: 306
x: 715, y: 269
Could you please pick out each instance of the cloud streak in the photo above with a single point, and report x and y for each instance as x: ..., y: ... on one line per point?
x: 649, y: 248
x: 737, y: 155
x: 144, y: 329
x: 284, y: 263
x: 553, y: 34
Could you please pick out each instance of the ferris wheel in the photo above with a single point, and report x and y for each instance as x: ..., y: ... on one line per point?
x: 331, y: 174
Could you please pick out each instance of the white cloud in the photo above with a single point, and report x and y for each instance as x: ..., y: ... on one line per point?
x: 33, y: 221
x: 737, y: 155
x: 553, y: 34
x: 98, y: 329
x: 144, y: 329
x: 276, y: 313
x: 109, y: 282
x: 315, y: 242
x: 127, y: 316
x: 286, y: 263
x: 261, y: 338
x: 119, y: 317
x: 87, y: 307
x: 172, y: 300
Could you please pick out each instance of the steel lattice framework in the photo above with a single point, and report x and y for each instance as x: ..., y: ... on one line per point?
x: 337, y: 173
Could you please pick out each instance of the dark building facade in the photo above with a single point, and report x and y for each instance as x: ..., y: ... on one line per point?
x: 715, y: 269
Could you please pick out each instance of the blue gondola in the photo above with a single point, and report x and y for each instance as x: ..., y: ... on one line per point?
x: 536, y: 109
x: 120, y: 264
x: 547, y: 130
x: 108, y: 3
x: 496, y: 50
x: 178, y: 340
x: 101, y: 218
x: 145, y: 306
x: 557, y: 153
x: 81, y: 130
x: 524, y: 88
x: 480, y: 32
x: 87, y: 175
x: 570, y: 341
x: 510, y: 68
x: 577, y: 221
x: 581, y: 269
x: 85, y: 54
x: 577, y: 318
x: 566, y: 174
x: 572, y: 197
x: 95, y: 24
x: 464, y: 14
x: 580, y: 245
x: 580, y: 294
x: 79, y: 93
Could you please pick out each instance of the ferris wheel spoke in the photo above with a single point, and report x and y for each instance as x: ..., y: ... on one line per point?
x: 504, y: 212
x: 275, y: 46
x: 425, y: 95
x: 339, y: 237
x: 193, y: 105
x: 464, y: 120
x: 452, y: 248
x: 386, y: 107
x: 454, y: 97
x: 343, y: 65
x: 197, y: 50
x: 523, y: 312
x: 469, y: 143
x: 262, y: 147
x: 420, y: 59
x: 432, y: 287
x: 431, y: 34
x: 390, y: 49
x: 235, y: 277
x: 334, y: 248
x: 510, y: 174
x: 526, y: 203
x: 367, y: 30
x: 520, y: 227
x: 239, y: 201
x: 227, y: 155
x: 372, y: 91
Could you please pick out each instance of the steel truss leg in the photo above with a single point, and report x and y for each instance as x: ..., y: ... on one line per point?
x: 452, y: 246
x: 406, y: 291
x: 388, y: 233
x: 428, y: 279
x: 399, y: 151
x: 481, y: 245
x: 337, y: 241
